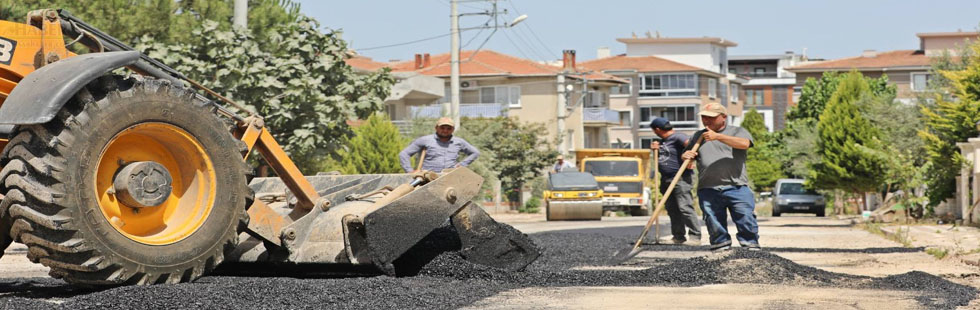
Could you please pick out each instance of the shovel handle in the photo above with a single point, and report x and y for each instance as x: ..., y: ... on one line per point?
x: 663, y: 200
x: 421, y: 159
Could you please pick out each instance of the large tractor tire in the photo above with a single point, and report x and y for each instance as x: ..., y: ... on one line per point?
x: 136, y: 181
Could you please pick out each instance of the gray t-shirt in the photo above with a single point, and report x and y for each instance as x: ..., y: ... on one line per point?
x: 720, y: 164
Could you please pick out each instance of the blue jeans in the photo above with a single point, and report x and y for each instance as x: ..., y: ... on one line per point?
x: 738, y: 200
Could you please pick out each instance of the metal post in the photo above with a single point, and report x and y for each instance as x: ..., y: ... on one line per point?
x: 562, y: 98
x: 454, y: 66
x: 241, y: 13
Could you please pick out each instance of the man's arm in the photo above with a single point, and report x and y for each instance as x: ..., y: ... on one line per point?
x: 736, y: 142
x: 405, y: 156
x: 471, y: 150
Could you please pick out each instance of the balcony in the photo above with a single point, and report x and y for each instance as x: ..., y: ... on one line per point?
x: 600, y: 117
x: 760, y: 75
x: 465, y: 110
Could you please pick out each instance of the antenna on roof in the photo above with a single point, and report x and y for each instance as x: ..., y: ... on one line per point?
x: 634, y: 34
x: 648, y: 34
x: 658, y: 34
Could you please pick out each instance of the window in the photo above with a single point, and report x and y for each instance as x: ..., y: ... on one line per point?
x: 622, y: 89
x: 626, y: 118
x: 920, y: 81
x: 732, y: 70
x: 712, y: 88
x: 668, y: 85
x: 734, y: 93
x: 753, y: 97
x: 645, y: 143
x: 503, y: 95
x: 596, y: 99
x: 759, y: 70
x: 681, y: 117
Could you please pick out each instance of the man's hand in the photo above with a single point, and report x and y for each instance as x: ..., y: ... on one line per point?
x: 710, y: 135
x: 689, y: 155
x: 655, y: 145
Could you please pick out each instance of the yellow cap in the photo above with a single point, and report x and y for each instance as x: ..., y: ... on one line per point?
x: 712, y: 109
x: 445, y: 121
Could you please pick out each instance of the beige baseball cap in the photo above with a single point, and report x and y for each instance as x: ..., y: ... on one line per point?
x: 712, y: 109
x: 445, y: 121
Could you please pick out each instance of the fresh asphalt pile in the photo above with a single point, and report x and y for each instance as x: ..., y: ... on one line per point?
x: 451, y: 282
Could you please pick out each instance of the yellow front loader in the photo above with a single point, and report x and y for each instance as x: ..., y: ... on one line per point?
x: 114, y: 180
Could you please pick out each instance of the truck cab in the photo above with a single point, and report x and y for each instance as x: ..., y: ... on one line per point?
x: 622, y: 176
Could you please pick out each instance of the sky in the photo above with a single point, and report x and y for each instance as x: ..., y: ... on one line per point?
x: 826, y: 29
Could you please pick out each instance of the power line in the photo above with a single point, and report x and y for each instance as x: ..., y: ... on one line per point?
x: 515, y: 45
x: 530, y: 47
x: 403, y: 43
x: 528, y: 26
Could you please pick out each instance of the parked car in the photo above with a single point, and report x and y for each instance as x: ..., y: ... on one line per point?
x: 791, y: 197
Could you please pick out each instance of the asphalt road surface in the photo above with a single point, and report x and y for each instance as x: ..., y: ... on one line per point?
x: 807, y: 262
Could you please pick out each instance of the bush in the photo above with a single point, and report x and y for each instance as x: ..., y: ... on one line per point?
x: 532, y: 205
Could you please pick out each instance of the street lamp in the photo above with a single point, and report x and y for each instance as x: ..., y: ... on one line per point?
x: 517, y: 20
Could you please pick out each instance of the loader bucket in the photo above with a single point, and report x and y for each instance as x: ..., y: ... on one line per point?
x: 364, y: 227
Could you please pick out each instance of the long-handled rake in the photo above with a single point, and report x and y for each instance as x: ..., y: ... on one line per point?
x: 625, y: 254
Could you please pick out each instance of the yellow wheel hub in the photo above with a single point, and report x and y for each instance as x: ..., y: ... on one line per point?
x: 183, y: 159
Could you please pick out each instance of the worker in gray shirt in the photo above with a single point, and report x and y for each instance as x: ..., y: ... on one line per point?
x: 441, y: 149
x: 723, y: 183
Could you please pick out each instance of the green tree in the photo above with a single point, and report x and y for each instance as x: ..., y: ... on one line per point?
x: 373, y: 149
x: 761, y: 165
x: 845, y: 138
x: 296, y: 79
x: 817, y: 92
x: 516, y: 151
x: 165, y: 21
x: 794, y: 147
x: 950, y: 117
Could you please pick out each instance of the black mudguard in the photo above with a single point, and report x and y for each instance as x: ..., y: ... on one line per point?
x: 40, y: 95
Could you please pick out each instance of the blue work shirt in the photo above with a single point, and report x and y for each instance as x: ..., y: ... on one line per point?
x: 439, y: 155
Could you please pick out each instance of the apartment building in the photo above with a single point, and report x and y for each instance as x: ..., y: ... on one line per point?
x: 671, y: 78
x: 908, y: 70
x: 493, y: 84
x: 769, y: 87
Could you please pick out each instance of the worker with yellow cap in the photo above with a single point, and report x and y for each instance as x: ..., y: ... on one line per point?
x: 441, y: 149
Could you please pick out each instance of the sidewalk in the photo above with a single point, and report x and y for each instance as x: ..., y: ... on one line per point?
x: 959, y: 242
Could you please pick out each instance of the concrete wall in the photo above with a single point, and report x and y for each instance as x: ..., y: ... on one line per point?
x: 702, y: 55
x: 935, y: 46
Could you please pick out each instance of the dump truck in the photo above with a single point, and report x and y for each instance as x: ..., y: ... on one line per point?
x: 622, y: 177
x: 142, y: 179
x: 572, y: 195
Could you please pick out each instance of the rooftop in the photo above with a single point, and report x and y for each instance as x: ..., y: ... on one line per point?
x: 878, y: 61
x: 948, y: 34
x: 713, y: 40
x: 481, y: 63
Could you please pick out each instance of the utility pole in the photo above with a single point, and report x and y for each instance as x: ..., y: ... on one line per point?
x: 562, y: 103
x: 241, y: 13
x: 453, y: 109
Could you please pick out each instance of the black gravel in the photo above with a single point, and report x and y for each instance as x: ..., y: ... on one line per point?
x: 449, y: 282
